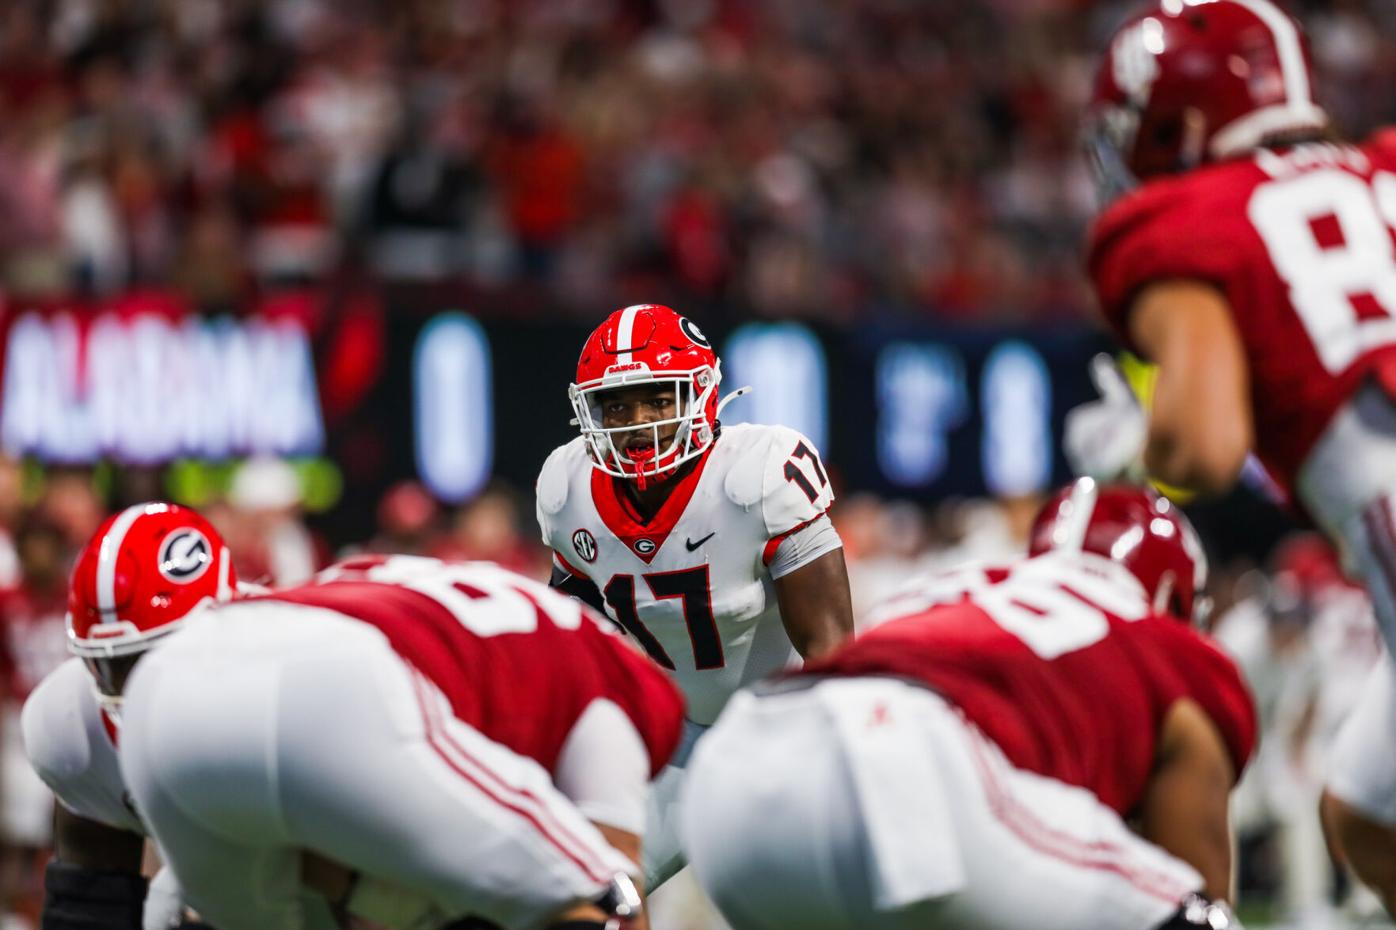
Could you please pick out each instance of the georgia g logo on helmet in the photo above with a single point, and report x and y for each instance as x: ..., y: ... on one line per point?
x: 184, y: 555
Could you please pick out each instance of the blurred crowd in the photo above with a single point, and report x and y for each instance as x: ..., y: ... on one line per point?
x: 738, y: 157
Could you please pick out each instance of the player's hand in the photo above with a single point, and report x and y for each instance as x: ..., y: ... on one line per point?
x: 1104, y: 439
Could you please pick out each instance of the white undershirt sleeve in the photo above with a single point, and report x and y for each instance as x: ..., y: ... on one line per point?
x: 604, y: 768
x: 809, y: 542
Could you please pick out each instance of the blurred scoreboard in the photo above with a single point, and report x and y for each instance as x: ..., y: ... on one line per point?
x: 904, y: 408
x: 907, y: 410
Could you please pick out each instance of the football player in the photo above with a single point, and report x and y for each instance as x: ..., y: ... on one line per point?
x: 1248, y: 252
x: 161, y: 560
x: 436, y: 623
x: 710, y: 544
x: 157, y: 562
x: 973, y: 760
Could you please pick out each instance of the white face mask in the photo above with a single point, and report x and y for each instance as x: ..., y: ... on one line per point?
x: 692, y: 435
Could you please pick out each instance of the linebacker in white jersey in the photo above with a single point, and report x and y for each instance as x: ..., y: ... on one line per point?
x: 711, y: 546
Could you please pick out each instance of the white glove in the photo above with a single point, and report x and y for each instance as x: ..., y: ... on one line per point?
x: 164, y: 902
x: 1104, y: 439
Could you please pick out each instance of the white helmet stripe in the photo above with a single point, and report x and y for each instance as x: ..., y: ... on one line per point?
x: 1070, y: 533
x: 106, y: 560
x: 225, y: 590
x: 625, y: 334
x: 1291, y: 52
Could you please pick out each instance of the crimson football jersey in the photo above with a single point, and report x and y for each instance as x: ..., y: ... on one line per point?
x: 518, y: 661
x: 1301, y: 244
x: 33, y: 638
x: 1060, y: 661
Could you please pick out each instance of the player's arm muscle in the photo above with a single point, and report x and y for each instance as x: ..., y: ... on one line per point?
x: 1200, y: 427
x: 815, y: 604
x: 92, y: 845
x: 1184, y: 809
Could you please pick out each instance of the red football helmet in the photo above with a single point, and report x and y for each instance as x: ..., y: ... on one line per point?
x: 1135, y: 527
x: 1192, y: 81
x: 642, y: 345
x: 143, y: 570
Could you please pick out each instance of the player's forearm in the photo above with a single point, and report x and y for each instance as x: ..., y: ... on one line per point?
x: 1198, y: 834
x: 816, y: 606
x: 1185, y: 805
x: 82, y: 842
x: 1209, y: 469
x: 1200, y: 428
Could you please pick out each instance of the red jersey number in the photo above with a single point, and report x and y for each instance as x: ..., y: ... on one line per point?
x: 1329, y: 235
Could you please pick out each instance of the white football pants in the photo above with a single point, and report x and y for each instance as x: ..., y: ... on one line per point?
x: 1348, y: 485
x: 872, y: 804
x: 662, y: 848
x: 245, y: 740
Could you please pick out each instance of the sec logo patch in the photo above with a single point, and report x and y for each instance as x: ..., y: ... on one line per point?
x: 585, y: 544
x: 185, y: 555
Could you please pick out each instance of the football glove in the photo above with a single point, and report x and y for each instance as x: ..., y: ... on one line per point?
x: 1104, y: 439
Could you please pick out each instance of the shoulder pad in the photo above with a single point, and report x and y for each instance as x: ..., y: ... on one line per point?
x: 748, y: 445
x: 53, y: 725
x: 556, y: 476
x: 794, y: 486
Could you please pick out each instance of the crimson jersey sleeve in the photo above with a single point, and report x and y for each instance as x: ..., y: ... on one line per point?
x: 1300, y: 243
x: 1167, y: 229
x: 1202, y: 672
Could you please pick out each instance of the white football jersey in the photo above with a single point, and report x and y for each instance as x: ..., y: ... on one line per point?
x: 72, y: 747
x: 692, y: 583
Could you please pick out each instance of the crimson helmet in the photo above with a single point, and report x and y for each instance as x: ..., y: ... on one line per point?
x: 138, y: 576
x: 640, y: 345
x: 1192, y: 81
x: 1135, y: 527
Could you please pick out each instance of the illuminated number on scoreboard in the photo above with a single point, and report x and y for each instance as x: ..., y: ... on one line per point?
x: 452, y: 394
x: 1016, y: 398
x: 785, y: 366
x: 1324, y: 278
x: 921, y: 397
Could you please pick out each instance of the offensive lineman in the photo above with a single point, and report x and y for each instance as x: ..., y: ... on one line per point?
x: 972, y: 760
x: 170, y: 559
x: 473, y: 738
x: 711, y: 545
x: 163, y: 562
x: 1250, y: 256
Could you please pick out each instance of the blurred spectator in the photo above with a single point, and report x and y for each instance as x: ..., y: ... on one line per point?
x: 407, y: 517
x: 270, y: 542
x: 489, y: 528
x: 33, y: 642
x: 1305, y: 639
x: 764, y: 157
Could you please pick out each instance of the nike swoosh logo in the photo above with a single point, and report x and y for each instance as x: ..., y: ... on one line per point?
x: 694, y: 545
